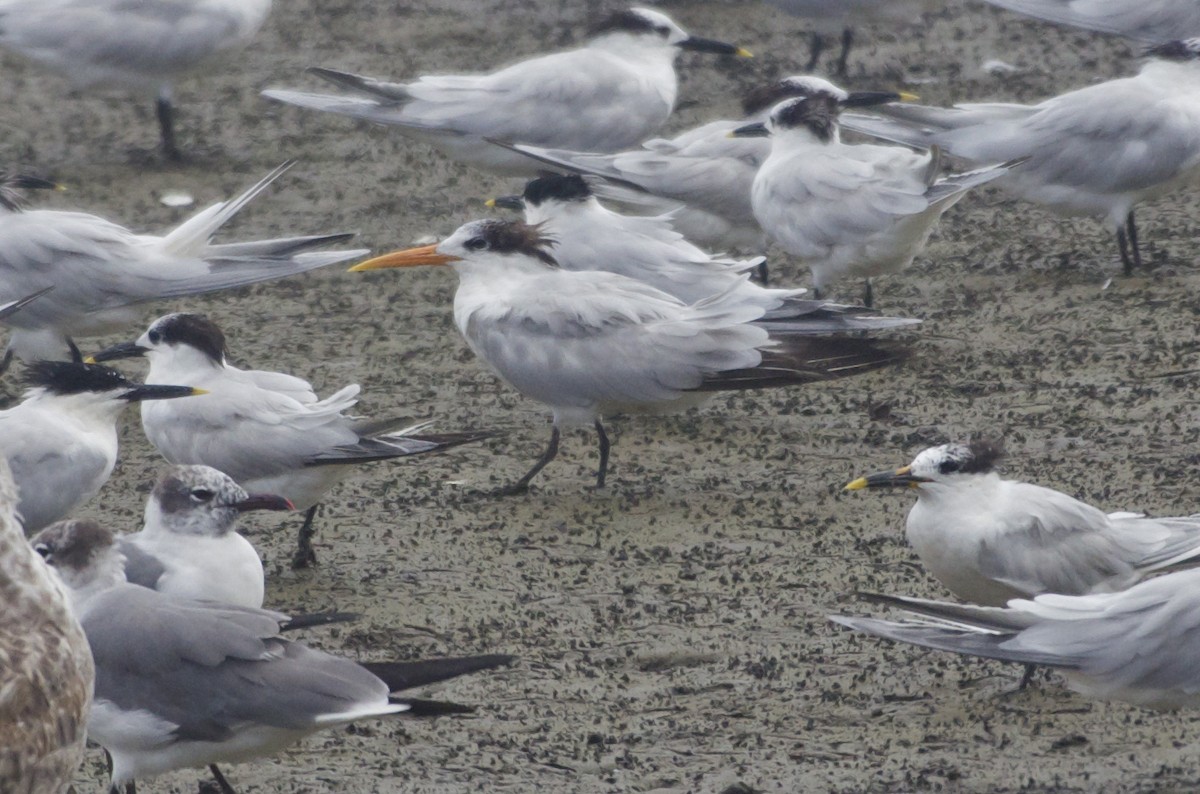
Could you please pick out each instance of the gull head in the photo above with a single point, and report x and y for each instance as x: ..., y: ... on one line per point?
x: 947, y: 464
x: 83, y: 553
x: 199, y: 500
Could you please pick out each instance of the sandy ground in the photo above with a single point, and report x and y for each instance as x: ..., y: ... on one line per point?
x: 671, y: 628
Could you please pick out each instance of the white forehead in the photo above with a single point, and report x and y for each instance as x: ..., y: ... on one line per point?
x: 657, y: 18
x: 931, y: 459
x: 810, y: 86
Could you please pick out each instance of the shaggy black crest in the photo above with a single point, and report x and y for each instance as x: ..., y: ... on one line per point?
x: 981, y: 456
x: 191, y: 329
x: 509, y: 237
x: 766, y: 96
x: 11, y: 186
x: 556, y: 186
x: 72, y: 544
x: 629, y: 21
x: 68, y: 377
x: 1186, y: 50
x: 817, y: 113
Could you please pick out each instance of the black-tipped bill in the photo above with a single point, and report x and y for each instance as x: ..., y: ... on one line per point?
x: 697, y: 44
x: 515, y: 203
x: 263, y: 501
x: 155, y: 392
x: 755, y: 130
x: 900, y: 478
x: 866, y: 99
x: 122, y: 350
x: 29, y: 182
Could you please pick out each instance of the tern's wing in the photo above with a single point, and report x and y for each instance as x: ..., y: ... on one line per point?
x: 206, y: 669
x: 110, y: 39
x: 1151, y: 21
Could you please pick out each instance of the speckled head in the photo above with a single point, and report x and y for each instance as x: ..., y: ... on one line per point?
x: 199, y: 500
x: 73, y: 547
x: 979, y: 456
x: 817, y: 114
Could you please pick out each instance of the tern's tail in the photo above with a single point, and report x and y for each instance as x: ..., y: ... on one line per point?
x: 1180, y: 549
x: 394, y: 445
x: 400, y: 676
x: 817, y: 318
x: 383, y: 102
x: 795, y: 360
x: 949, y: 189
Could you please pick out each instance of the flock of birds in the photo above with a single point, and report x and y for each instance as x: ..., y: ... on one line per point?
x: 155, y: 644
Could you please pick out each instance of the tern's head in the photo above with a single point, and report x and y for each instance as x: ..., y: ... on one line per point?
x: 644, y: 28
x: 91, y: 386
x: 484, y: 243
x: 199, y: 500
x: 801, y: 86
x: 548, y: 195
x: 813, y: 117
x: 947, y: 464
x: 11, y: 185
x: 193, y: 339
x: 83, y: 553
x: 1185, y: 50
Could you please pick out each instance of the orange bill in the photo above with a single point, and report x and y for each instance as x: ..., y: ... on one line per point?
x: 412, y: 257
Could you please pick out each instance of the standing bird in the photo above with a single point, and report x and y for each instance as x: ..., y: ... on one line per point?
x: 61, y: 440
x: 590, y: 344
x: 142, y: 46
x: 100, y: 271
x: 183, y: 683
x: 267, y: 430
x: 46, y: 671
x: 189, y: 546
x: 1136, y: 645
x: 702, y: 177
x: 1151, y: 21
x: 989, y: 540
x: 588, y: 236
x: 1098, y: 151
x: 607, y: 96
x: 845, y: 209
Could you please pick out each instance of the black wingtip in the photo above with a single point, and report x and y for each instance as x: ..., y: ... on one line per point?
x: 432, y: 708
x: 318, y: 619
x: 400, y: 676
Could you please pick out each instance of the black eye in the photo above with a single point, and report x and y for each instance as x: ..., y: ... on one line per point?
x: 949, y: 466
x: 476, y: 244
x: 44, y: 550
x: 662, y: 30
x: 202, y: 494
x: 155, y: 337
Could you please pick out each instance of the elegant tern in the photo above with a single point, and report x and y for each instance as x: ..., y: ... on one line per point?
x: 605, y: 97
x: 588, y: 236
x: 100, y: 271
x: 1097, y: 151
x: 267, y: 430
x: 590, y: 343
x: 143, y: 46
x: 189, y: 546
x: 47, y: 667
x: 183, y: 683
x: 61, y: 440
x: 702, y: 176
x: 1151, y: 21
x: 989, y: 540
x: 848, y: 209
x: 1136, y: 645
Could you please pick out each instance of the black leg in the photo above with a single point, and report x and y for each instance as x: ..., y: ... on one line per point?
x: 1025, y: 679
x: 221, y: 781
x: 522, y: 485
x: 166, y: 126
x: 868, y: 295
x: 1123, y: 242
x: 1131, y: 226
x: 816, y: 45
x: 76, y: 353
x: 847, y: 42
x: 604, y: 447
x: 7, y: 362
x: 764, y: 273
x: 305, y: 556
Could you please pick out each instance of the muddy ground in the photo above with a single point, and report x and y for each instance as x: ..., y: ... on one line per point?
x: 671, y: 628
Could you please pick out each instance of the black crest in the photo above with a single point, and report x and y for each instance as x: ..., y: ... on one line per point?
x: 72, y: 544
x: 570, y: 187
x: 68, y: 377
x: 11, y: 186
x: 979, y: 456
x: 509, y: 237
x: 1186, y: 50
x: 195, y: 330
x: 629, y: 21
x: 766, y: 96
x: 817, y: 113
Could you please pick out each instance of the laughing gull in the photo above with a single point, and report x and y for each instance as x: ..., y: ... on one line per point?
x: 267, y: 430
x: 183, y: 683
x: 605, y: 97
x: 61, y: 440
x: 47, y: 674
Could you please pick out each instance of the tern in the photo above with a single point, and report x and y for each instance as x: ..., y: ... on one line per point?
x: 100, y: 271
x: 1134, y: 645
x: 830, y: 16
x: 846, y: 209
x: 605, y: 97
x: 1151, y: 21
x: 989, y: 540
x: 590, y: 237
x: 183, y: 683
x: 702, y: 176
x: 1097, y: 151
x: 189, y: 546
x: 267, y: 430
x: 47, y: 667
x: 142, y: 46
x: 61, y: 440
x: 589, y: 343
